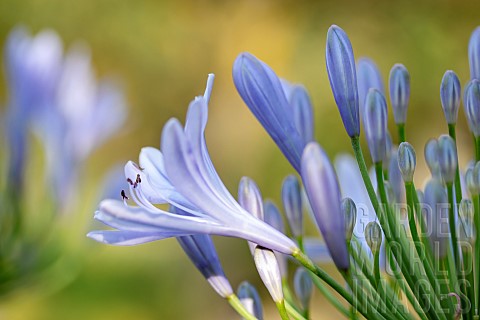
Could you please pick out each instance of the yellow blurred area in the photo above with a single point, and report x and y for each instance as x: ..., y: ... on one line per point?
x: 162, y: 52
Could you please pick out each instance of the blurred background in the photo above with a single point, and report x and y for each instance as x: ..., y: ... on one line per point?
x: 161, y: 52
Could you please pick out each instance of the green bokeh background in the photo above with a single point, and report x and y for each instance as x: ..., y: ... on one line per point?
x: 162, y: 52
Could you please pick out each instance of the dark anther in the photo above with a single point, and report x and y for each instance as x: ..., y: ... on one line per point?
x: 130, y: 181
x: 139, y: 180
x: 124, y: 196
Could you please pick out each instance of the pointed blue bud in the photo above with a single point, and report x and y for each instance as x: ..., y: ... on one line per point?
x: 436, y: 217
x: 474, y: 54
x: 323, y: 193
x: 407, y: 161
x: 399, y: 92
x: 447, y: 158
x: 368, y: 77
x: 471, y: 105
x: 303, y: 286
x: 375, y: 122
x: 269, y: 272
x: 292, y: 203
x: 250, y: 298
x: 261, y: 90
x: 450, y: 94
x: 301, y: 104
x: 349, y: 209
x: 432, y: 157
x: 201, y: 251
x: 373, y: 236
x: 343, y: 79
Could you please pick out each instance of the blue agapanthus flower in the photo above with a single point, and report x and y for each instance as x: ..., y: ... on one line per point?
x: 182, y: 175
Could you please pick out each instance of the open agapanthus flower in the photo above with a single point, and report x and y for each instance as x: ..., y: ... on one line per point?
x: 182, y: 175
x: 403, y: 253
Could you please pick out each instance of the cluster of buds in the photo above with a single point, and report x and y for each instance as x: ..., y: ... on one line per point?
x: 430, y: 254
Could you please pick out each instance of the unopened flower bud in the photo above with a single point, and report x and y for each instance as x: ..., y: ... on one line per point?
x: 471, y: 105
x: 303, y: 285
x: 472, y: 185
x: 450, y: 94
x: 432, y: 157
x: 343, y: 78
x: 292, y: 203
x: 323, y: 193
x: 349, y: 209
x: 249, y: 197
x: 407, y: 160
x: 274, y: 218
x: 267, y: 268
x: 375, y: 122
x: 368, y: 77
x: 250, y: 298
x: 447, y: 158
x: 474, y: 54
x: 399, y: 92
x: 373, y: 236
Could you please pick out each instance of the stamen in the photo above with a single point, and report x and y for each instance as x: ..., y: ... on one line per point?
x: 124, y: 196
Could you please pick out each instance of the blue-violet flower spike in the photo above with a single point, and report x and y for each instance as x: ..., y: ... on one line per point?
x: 399, y: 92
x: 261, y: 90
x: 375, y: 121
x: 450, y: 94
x: 343, y: 79
x: 323, y: 192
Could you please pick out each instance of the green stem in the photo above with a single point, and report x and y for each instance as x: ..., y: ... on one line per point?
x: 293, y: 312
x: 328, y: 295
x: 423, y: 225
x: 469, y: 283
x: 239, y: 307
x: 407, y: 264
x: 476, y: 218
x: 453, y: 229
x: 458, y: 186
x: 287, y: 294
x: 319, y: 272
x: 282, y: 310
x: 376, y: 268
x: 401, y: 132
